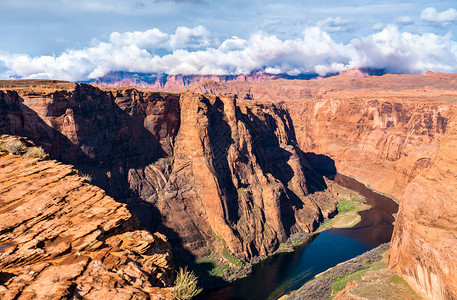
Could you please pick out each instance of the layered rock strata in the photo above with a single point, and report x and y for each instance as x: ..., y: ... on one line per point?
x: 211, y: 172
x: 61, y: 237
x: 381, y: 130
x: 395, y: 133
x: 424, y: 242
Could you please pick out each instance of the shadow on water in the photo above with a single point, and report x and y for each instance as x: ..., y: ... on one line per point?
x: 283, y: 273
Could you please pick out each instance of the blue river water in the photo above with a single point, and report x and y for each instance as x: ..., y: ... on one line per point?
x: 283, y: 273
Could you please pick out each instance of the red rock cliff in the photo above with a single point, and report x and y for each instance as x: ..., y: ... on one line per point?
x: 165, y: 81
x: 381, y: 130
x: 424, y: 243
x: 199, y: 168
x: 395, y: 133
x: 61, y: 237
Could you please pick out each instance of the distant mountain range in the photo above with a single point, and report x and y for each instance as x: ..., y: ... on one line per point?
x: 166, y: 81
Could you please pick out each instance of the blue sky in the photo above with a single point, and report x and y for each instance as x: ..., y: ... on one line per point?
x: 82, y: 39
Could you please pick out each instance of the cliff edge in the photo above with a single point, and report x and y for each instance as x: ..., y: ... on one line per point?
x: 396, y: 134
x: 61, y: 237
x: 214, y: 173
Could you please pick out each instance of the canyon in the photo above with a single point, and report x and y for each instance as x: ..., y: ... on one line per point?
x: 394, y: 133
x: 214, y: 174
x: 236, y: 167
x: 381, y: 130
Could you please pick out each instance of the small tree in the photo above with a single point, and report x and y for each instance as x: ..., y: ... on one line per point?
x: 185, y: 285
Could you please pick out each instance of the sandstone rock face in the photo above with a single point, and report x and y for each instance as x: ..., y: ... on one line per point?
x: 397, y: 134
x: 61, y: 237
x: 202, y: 169
x: 207, y: 168
x: 381, y: 130
x: 381, y: 142
x: 245, y: 179
x: 424, y: 243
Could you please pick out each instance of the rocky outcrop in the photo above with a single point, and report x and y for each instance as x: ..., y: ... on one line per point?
x: 382, y: 130
x: 395, y: 133
x: 424, y: 242
x: 61, y: 237
x: 213, y: 173
x: 381, y: 142
x: 247, y: 173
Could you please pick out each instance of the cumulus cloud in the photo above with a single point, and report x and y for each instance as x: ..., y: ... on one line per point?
x: 184, y: 38
x: 149, y: 39
x: 195, y: 51
x: 233, y: 43
x: 444, y: 18
x: 404, y: 52
x: 190, y: 38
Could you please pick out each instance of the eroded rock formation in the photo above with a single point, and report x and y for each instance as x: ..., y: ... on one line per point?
x: 202, y: 169
x: 395, y: 133
x: 61, y: 237
x: 217, y: 168
x: 381, y: 130
x: 424, y: 242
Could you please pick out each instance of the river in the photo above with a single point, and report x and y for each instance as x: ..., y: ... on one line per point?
x: 285, y: 272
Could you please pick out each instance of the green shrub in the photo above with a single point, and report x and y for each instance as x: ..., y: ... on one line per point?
x: 185, y: 285
x: 13, y: 147
x: 35, y: 152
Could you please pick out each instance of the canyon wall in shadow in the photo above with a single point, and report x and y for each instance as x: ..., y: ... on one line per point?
x: 63, y: 238
x: 396, y: 134
x: 212, y: 173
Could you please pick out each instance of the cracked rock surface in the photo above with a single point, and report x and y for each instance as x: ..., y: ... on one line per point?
x: 62, y: 237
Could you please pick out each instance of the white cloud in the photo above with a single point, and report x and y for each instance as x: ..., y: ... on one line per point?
x: 378, y: 26
x: 430, y: 14
x: 336, y: 24
x: 184, y: 38
x: 403, y: 52
x: 194, y: 51
x: 234, y: 43
x: 149, y: 39
x: 404, y: 20
x: 191, y: 38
